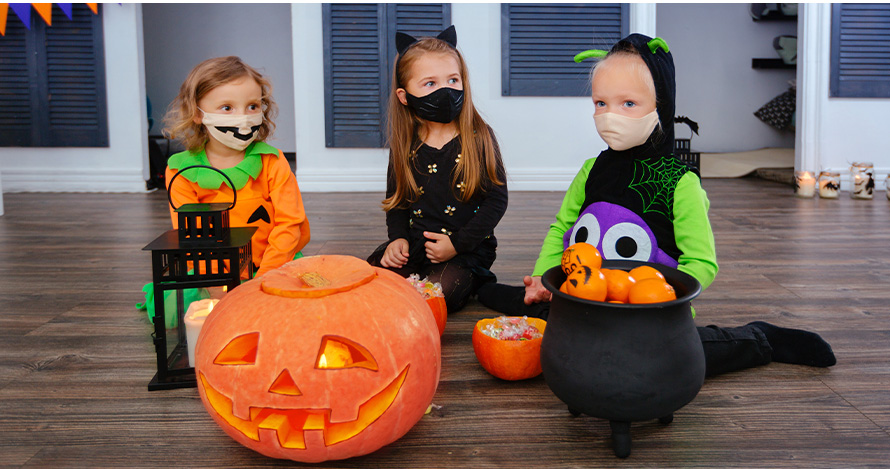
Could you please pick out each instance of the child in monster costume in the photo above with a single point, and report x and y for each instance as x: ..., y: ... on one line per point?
x: 635, y: 201
x: 223, y: 115
x: 446, y: 186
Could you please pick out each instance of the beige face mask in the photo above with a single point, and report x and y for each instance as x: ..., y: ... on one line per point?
x: 235, y: 132
x: 622, y: 132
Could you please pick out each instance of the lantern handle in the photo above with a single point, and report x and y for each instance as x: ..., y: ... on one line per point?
x: 231, y: 184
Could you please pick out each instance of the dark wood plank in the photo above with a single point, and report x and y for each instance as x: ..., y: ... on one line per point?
x: 76, y: 356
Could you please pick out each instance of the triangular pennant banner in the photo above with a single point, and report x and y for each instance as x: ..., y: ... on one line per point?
x: 66, y: 8
x: 94, y: 7
x: 23, y: 11
x: 45, y: 10
x: 4, y: 9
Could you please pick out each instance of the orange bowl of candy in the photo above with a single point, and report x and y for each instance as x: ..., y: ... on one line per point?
x: 509, y: 347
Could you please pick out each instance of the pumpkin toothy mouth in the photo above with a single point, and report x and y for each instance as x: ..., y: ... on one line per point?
x: 290, y: 424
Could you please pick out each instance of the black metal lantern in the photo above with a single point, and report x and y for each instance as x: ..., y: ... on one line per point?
x: 203, y: 252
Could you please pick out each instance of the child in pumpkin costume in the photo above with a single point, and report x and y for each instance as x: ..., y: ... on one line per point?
x: 635, y: 201
x: 223, y: 114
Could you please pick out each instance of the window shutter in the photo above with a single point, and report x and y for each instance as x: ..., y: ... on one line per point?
x: 359, y: 49
x: 539, y: 41
x: 354, y: 67
x: 52, y: 82
x: 860, y: 50
x: 75, y: 80
x: 17, y: 119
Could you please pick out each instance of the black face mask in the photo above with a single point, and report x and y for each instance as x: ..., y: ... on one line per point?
x: 442, y: 105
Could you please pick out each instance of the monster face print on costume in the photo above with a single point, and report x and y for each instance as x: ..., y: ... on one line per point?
x: 618, y: 233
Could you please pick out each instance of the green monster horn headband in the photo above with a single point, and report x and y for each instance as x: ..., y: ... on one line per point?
x: 654, y: 44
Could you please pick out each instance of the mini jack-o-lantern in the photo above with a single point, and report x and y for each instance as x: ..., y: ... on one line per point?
x: 324, y: 358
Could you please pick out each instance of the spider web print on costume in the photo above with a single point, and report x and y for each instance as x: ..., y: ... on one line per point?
x: 655, y: 182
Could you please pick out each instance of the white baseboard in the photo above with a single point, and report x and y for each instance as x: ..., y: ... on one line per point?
x: 530, y: 179
x: 72, y: 180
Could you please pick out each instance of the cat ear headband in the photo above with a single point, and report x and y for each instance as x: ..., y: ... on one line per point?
x: 405, y: 41
x: 654, y: 45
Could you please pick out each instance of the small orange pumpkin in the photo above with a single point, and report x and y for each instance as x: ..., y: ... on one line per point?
x: 440, y: 312
x: 323, y: 358
x: 587, y: 283
x: 580, y: 254
x: 508, y: 359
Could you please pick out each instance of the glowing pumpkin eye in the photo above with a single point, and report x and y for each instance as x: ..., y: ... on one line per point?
x: 338, y: 353
x: 240, y: 351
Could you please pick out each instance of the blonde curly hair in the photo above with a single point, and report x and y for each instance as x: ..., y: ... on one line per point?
x: 207, y: 75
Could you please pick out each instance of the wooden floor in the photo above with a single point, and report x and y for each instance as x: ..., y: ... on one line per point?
x: 76, y: 356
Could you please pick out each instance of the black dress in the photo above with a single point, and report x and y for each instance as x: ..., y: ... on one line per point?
x: 469, y: 225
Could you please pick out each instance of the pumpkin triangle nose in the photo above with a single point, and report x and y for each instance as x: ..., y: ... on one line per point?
x: 284, y: 384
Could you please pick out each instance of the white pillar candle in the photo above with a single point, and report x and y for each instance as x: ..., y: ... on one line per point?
x: 805, y: 184
x: 194, y: 320
x: 829, y: 185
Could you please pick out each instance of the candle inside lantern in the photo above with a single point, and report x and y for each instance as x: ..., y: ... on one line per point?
x: 829, y: 184
x: 805, y: 184
x: 194, y: 320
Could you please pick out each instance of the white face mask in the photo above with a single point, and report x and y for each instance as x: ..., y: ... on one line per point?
x: 233, y: 131
x: 622, y: 132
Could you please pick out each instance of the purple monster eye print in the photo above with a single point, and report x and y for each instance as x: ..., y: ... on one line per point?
x: 618, y: 233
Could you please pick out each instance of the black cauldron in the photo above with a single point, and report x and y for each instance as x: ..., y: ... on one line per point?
x: 623, y: 362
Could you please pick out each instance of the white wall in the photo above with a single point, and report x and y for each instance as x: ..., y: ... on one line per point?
x: 712, y: 45
x: 834, y: 132
x: 117, y: 168
x: 179, y: 36
x: 543, y: 140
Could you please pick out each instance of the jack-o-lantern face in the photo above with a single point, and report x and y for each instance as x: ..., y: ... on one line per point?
x: 294, y: 365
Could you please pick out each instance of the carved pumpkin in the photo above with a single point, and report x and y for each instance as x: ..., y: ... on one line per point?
x: 440, y: 312
x: 323, y: 358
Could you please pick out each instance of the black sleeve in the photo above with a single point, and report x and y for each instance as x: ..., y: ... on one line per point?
x: 397, y: 218
x: 491, y: 209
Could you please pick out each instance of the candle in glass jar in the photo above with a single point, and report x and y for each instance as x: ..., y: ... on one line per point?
x: 829, y: 184
x: 804, y: 184
x: 194, y: 320
x: 863, y: 177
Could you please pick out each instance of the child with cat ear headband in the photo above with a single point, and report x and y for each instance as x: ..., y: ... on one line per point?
x: 446, y: 185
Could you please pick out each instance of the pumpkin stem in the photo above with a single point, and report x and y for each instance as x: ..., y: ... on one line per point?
x: 314, y: 279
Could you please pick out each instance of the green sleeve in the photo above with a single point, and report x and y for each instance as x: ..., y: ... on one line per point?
x: 692, y: 230
x: 551, y: 251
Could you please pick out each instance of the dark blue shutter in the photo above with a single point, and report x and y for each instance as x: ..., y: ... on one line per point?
x: 359, y: 49
x: 17, y: 113
x: 538, y: 42
x: 75, y: 80
x: 354, y: 67
x: 52, y: 82
x: 860, y: 50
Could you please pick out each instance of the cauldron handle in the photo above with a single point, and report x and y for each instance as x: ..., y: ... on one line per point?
x: 620, y: 438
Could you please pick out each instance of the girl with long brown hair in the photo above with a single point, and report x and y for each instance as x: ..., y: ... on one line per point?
x: 446, y: 185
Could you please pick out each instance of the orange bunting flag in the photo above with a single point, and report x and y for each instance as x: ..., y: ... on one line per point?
x: 4, y: 9
x: 94, y: 7
x: 45, y: 10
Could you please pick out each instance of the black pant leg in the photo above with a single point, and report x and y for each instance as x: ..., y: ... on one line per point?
x: 733, y: 348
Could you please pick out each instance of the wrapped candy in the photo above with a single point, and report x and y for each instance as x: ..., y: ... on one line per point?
x: 512, y: 328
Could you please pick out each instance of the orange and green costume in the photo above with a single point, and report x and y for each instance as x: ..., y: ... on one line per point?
x: 268, y: 198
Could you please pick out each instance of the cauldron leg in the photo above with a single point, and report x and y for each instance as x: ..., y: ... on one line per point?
x: 620, y: 438
x: 666, y: 419
x: 574, y: 412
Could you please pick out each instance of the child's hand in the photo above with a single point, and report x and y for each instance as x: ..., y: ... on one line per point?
x: 439, y: 247
x: 396, y: 254
x: 535, y: 291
